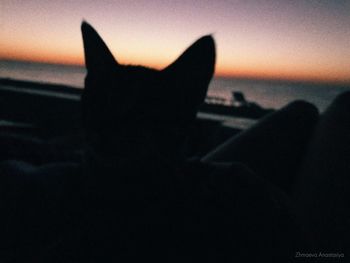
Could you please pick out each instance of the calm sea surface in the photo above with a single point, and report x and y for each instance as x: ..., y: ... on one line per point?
x: 265, y: 93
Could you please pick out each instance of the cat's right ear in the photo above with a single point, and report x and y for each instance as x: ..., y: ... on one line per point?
x: 97, y: 55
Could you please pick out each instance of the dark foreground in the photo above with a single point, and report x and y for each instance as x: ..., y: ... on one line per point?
x: 303, y: 160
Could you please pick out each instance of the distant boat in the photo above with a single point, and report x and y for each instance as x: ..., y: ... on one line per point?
x: 237, y: 106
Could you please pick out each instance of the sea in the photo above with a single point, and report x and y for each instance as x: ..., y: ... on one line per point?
x: 268, y: 94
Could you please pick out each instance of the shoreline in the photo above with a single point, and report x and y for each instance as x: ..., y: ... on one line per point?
x: 249, y: 111
x: 40, y: 85
x: 53, y: 111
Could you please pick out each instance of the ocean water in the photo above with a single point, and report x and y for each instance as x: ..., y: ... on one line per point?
x: 270, y: 94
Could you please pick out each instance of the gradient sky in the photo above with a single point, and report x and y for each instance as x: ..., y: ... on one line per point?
x: 279, y: 39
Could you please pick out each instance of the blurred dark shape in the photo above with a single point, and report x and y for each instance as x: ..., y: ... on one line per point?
x: 238, y: 97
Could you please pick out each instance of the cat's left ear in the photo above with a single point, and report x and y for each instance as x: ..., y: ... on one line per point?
x: 194, y: 68
x: 97, y: 55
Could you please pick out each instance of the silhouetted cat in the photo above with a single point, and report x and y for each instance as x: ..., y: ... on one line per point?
x: 142, y: 113
x: 144, y: 199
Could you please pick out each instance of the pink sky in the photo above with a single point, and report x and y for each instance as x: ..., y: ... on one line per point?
x: 271, y: 39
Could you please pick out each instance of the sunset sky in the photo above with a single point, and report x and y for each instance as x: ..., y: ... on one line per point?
x: 308, y: 40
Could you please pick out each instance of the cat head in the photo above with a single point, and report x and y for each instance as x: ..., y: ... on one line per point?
x: 124, y: 104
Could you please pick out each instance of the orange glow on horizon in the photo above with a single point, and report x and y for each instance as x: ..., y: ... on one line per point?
x: 221, y: 71
x: 268, y: 74
x: 43, y: 58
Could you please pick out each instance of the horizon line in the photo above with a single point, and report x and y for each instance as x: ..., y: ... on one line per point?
x: 242, y: 76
